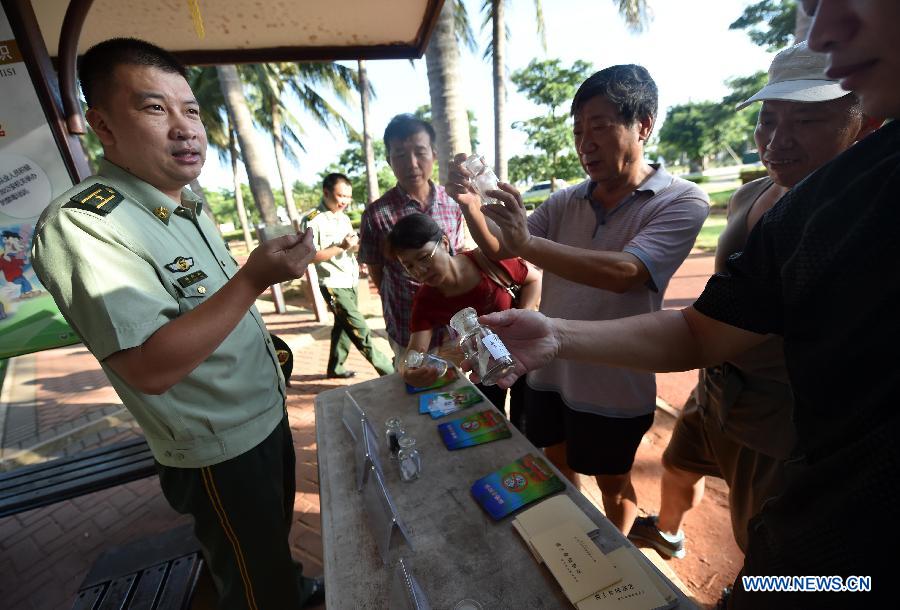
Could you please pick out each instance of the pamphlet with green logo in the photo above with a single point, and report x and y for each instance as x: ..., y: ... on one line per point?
x: 476, y: 429
x: 506, y: 490
x: 439, y: 404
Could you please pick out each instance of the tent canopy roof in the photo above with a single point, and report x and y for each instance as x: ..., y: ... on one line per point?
x: 241, y: 31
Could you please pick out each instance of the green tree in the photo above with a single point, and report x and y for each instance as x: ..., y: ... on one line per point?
x: 689, y: 130
x: 242, y: 119
x: 494, y: 12
x: 308, y: 196
x: 743, y: 87
x: 352, y: 163
x: 220, y: 133
x: 270, y: 85
x: 770, y: 23
x: 634, y: 12
x: 548, y: 83
x: 697, y: 130
x: 262, y: 90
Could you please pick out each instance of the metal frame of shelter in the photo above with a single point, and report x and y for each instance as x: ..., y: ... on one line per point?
x: 57, y: 90
x: 55, y: 82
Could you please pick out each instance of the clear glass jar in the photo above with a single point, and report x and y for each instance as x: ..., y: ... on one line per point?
x: 415, y: 360
x: 483, y: 350
x: 483, y: 177
x: 393, y: 431
x: 410, y: 461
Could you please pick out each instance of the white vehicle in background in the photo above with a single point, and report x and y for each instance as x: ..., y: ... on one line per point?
x: 541, y: 190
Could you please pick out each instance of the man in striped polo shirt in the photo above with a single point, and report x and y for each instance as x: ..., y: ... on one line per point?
x: 409, y: 143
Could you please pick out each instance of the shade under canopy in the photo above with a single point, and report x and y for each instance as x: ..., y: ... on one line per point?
x: 239, y: 31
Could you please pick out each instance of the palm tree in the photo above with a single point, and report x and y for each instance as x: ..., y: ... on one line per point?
x: 494, y: 12
x: 442, y: 61
x: 634, y: 12
x: 220, y: 133
x: 238, y: 192
x: 269, y: 85
x: 368, y: 149
x: 239, y: 112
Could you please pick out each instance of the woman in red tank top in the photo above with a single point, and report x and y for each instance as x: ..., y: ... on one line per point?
x: 451, y: 282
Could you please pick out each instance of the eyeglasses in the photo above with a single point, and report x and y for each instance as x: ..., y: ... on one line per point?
x: 423, y: 264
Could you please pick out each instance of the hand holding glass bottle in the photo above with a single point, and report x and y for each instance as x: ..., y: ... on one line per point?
x: 484, y: 351
x: 421, y: 369
x: 483, y: 178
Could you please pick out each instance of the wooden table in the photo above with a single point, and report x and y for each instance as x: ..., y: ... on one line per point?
x: 460, y: 552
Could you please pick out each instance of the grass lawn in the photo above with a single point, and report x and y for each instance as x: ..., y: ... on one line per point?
x: 719, y: 200
x: 719, y: 186
x: 709, y: 234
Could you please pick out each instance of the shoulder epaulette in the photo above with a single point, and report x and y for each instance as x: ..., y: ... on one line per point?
x: 312, y: 215
x: 98, y: 198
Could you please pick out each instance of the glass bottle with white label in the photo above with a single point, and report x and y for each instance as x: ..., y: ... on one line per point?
x: 483, y: 350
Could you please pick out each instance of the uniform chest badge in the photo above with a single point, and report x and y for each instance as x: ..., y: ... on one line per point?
x: 180, y: 264
x: 192, y: 278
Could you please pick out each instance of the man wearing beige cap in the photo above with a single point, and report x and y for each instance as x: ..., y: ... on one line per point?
x: 737, y: 423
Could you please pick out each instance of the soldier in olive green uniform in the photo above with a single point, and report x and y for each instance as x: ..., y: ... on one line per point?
x: 338, y: 271
x: 142, y: 275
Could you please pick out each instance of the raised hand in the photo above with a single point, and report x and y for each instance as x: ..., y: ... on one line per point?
x: 528, y: 335
x: 509, y: 217
x: 459, y: 183
x: 281, y: 259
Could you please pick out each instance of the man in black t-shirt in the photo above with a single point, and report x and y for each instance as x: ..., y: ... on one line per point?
x: 820, y: 269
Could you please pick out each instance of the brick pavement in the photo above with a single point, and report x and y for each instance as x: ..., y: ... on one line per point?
x: 45, y: 553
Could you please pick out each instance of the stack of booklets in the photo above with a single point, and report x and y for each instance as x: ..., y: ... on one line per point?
x: 439, y: 404
x: 476, y: 429
x: 557, y: 533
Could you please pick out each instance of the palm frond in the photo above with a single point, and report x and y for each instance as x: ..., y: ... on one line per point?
x: 205, y: 83
x: 462, y: 27
x: 636, y: 13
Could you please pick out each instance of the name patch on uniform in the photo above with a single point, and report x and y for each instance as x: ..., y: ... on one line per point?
x: 180, y: 264
x: 191, y: 278
x: 99, y: 199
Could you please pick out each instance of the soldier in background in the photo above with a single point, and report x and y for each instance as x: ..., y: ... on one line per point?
x: 338, y: 271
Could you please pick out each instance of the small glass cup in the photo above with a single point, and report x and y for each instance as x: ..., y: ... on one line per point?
x: 410, y: 461
x: 483, y: 178
x: 415, y: 360
x: 393, y: 430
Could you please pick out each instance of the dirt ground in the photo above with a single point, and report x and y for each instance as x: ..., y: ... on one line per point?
x: 713, y: 559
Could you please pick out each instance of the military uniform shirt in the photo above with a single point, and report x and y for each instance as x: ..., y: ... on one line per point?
x: 329, y: 229
x: 121, y: 260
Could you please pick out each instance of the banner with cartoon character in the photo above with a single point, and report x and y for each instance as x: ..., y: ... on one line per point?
x: 32, y: 172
